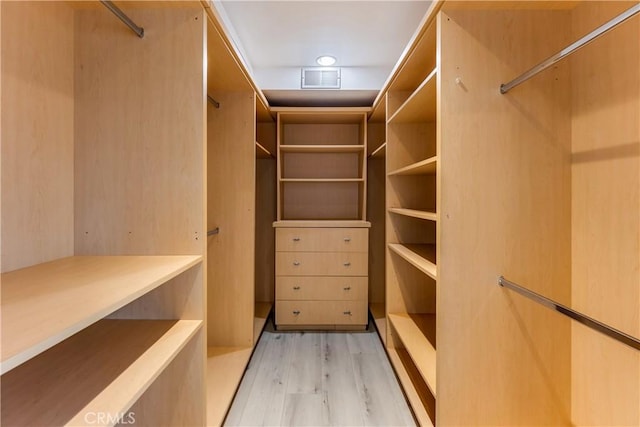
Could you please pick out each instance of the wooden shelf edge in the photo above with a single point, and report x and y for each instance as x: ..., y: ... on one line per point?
x: 121, y: 394
x: 429, y: 80
x: 225, y: 368
x: 414, y: 213
x: 423, y: 167
x: 262, y: 153
x: 78, y: 319
x: 413, y: 258
x: 418, y: 346
x: 409, y: 389
x: 347, y: 223
x: 260, y: 316
x: 328, y: 148
x: 327, y: 180
x: 379, y: 152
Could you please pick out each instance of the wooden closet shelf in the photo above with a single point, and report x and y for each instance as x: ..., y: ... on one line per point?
x: 47, y: 303
x: 379, y: 152
x: 409, y: 378
x: 104, y: 368
x: 418, y: 333
x: 423, y: 167
x: 261, y: 152
x: 431, y: 216
x: 329, y: 180
x: 260, y: 316
x: 225, y: 366
x: 322, y: 223
x: 423, y: 257
x: 378, y: 314
x: 420, y: 107
x: 321, y: 148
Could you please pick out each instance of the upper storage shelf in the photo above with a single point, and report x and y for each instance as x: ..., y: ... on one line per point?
x: 47, y: 303
x: 420, y: 107
x: 321, y: 148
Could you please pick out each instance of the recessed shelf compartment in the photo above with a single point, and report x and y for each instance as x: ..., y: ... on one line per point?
x: 414, y: 213
x: 420, y: 107
x: 47, y: 303
x: 104, y: 368
x: 417, y: 332
x: 421, y: 256
x: 424, y: 167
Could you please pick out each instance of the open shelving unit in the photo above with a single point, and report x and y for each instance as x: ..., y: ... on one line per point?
x: 412, y: 218
x: 376, y: 176
x: 47, y: 303
x: 322, y: 163
x: 102, y: 289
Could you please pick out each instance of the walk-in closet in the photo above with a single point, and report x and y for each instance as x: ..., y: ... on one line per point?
x: 185, y: 240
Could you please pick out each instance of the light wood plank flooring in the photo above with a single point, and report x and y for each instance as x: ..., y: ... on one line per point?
x: 319, y: 379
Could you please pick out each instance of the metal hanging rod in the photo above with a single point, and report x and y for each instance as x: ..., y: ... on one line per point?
x: 123, y: 17
x: 582, y: 318
x: 213, y: 101
x: 214, y: 231
x: 504, y: 88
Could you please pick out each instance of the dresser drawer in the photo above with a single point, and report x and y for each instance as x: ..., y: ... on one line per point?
x: 321, y: 263
x: 322, y: 240
x: 303, y: 313
x: 321, y: 288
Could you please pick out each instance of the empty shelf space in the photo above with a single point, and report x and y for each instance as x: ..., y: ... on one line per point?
x: 417, y: 334
x: 260, y: 315
x: 423, y: 257
x: 261, y: 152
x: 424, y: 167
x: 104, y: 368
x: 225, y: 367
x: 409, y: 377
x: 321, y: 148
x: 431, y: 216
x: 420, y: 106
x: 47, y: 303
x: 380, y: 152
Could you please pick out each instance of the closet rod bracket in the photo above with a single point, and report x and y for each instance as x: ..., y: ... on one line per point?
x: 123, y: 17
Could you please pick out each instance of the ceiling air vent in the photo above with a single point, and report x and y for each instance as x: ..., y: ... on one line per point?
x: 321, y: 78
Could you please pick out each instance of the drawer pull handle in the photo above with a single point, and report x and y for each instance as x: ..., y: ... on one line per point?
x: 296, y: 288
x: 296, y: 239
x: 347, y: 264
x: 296, y: 312
x: 347, y: 288
x: 296, y: 263
x: 347, y: 239
x: 347, y: 313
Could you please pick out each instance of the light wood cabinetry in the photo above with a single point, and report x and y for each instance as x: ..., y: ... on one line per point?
x: 322, y: 239
x: 321, y: 277
x: 481, y: 184
x: 241, y: 207
x: 103, y: 216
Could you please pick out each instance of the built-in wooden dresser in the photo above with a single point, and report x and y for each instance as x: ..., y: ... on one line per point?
x: 322, y: 276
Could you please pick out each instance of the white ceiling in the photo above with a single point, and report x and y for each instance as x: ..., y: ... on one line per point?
x: 277, y: 38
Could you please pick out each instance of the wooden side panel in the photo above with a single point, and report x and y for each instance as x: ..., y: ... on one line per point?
x: 505, y: 209
x: 37, y: 134
x: 231, y: 206
x: 265, y: 233
x: 139, y: 126
x: 605, y: 164
x: 376, y: 215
